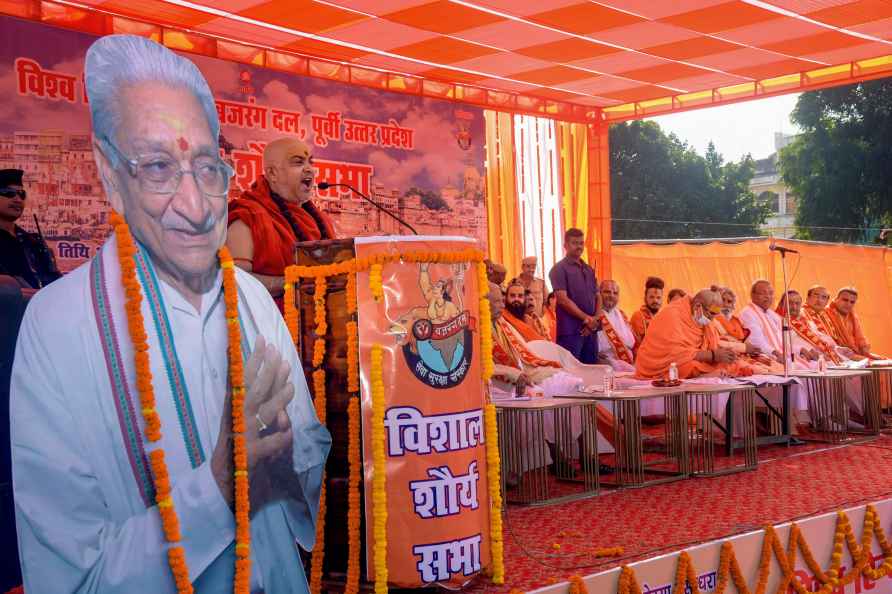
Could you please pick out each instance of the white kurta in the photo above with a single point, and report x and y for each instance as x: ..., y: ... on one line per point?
x: 83, y: 522
x: 624, y: 331
x: 755, y: 320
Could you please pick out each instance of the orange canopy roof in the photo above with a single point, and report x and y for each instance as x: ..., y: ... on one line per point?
x: 628, y: 57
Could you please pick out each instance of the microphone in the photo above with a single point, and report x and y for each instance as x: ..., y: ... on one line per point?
x: 326, y: 185
x: 779, y: 248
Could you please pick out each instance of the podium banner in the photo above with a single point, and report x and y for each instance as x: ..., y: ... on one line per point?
x: 426, y: 323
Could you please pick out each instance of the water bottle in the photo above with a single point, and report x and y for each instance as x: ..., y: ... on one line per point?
x: 673, y: 372
x: 608, y: 381
x: 822, y: 364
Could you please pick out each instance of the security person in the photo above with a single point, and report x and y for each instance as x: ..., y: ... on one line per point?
x: 24, y: 256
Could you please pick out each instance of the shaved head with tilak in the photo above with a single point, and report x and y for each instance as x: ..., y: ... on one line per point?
x: 288, y: 166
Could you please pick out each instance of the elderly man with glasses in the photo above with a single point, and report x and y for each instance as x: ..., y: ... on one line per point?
x: 23, y: 256
x: 93, y: 502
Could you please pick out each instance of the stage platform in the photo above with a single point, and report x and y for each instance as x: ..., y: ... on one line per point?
x: 549, y: 544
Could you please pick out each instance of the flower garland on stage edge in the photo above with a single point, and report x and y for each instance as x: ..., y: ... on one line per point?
x: 493, y: 463
x: 291, y: 321
x: 161, y: 479
x: 319, y: 305
x: 379, y: 469
x: 729, y: 569
x: 354, y: 454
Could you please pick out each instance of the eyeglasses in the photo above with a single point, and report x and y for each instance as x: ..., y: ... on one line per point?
x: 161, y: 174
x: 10, y: 193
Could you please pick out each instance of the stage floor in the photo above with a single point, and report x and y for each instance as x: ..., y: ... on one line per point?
x: 548, y: 544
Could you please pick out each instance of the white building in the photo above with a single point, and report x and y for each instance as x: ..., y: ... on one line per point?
x: 767, y: 178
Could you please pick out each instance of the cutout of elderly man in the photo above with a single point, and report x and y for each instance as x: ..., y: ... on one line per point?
x: 84, y: 495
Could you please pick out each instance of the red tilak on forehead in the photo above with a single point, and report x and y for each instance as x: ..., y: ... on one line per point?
x: 183, y: 144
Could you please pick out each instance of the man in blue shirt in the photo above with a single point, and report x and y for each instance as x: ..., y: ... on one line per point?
x: 578, y: 300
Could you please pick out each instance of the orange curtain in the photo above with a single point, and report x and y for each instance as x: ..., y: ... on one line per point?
x: 584, y: 164
x: 503, y: 224
x: 597, y: 232
x: 694, y: 266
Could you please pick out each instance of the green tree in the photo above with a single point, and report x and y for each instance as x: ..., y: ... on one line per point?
x: 655, y: 177
x: 839, y: 166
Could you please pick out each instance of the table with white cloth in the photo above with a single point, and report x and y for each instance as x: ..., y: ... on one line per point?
x: 781, y: 396
x: 632, y: 467
x: 705, y: 403
x: 828, y: 403
x: 526, y: 426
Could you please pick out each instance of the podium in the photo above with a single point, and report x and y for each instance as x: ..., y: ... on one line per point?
x: 318, y: 253
x: 418, y: 336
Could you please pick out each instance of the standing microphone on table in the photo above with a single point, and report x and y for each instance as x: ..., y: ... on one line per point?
x: 326, y: 185
x: 786, y: 332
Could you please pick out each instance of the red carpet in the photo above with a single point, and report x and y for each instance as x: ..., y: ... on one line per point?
x: 789, y: 483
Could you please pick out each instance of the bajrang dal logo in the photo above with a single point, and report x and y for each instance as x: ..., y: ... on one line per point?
x: 437, y: 338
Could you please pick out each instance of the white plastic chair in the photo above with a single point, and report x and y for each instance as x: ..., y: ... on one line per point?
x: 591, y: 375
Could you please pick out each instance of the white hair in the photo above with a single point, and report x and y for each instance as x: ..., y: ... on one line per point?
x: 115, y: 62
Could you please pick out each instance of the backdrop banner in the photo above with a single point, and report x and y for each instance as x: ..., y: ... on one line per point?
x: 427, y: 324
x: 737, y: 265
x: 421, y: 158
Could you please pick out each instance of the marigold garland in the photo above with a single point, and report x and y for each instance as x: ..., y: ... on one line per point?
x: 350, y: 290
x: 319, y: 303
x: 685, y: 574
x: 319, y: 291
x: 293, y: 273
x: 379, y: 466
x: 176, y: 556
x: 291, y: 316
x: 239, y: 451
x: 486, y: 363
x: 493, y: 471
x: 493, y: 463
x: 376, y: 284
x: 609, y: 552
x: 354, y: 456
x: 352, y: 356
x: 577, y: 586
x: 354, y: 453
x: 729, y: 569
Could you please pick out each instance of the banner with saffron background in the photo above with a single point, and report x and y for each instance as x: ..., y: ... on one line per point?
x: 426, y: 322
x: 421, y: 158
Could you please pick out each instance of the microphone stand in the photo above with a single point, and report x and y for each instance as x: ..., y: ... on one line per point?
x: 787, y: 339
x: 786, y: 332
x: 325, y: 186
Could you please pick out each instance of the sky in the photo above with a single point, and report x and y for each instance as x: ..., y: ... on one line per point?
x: 736, y: 129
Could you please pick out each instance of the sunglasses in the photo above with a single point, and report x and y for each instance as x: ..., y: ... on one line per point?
x: 9, y: 193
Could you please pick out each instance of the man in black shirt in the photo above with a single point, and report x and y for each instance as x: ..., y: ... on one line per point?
x: 23, y: 256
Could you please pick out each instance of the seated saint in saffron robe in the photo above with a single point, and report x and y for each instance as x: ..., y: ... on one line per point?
x: 845, y: 325
x: 513, y: 359
x: 682, y: 333
x: 653, y: 301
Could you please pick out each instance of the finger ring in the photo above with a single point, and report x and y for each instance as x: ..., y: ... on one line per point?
x: 261, y: 426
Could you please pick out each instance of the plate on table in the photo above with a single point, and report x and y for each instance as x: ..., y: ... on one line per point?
x: 664, y: 383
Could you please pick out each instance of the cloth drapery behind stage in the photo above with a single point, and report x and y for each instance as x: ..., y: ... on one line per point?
x: 737, y: 265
